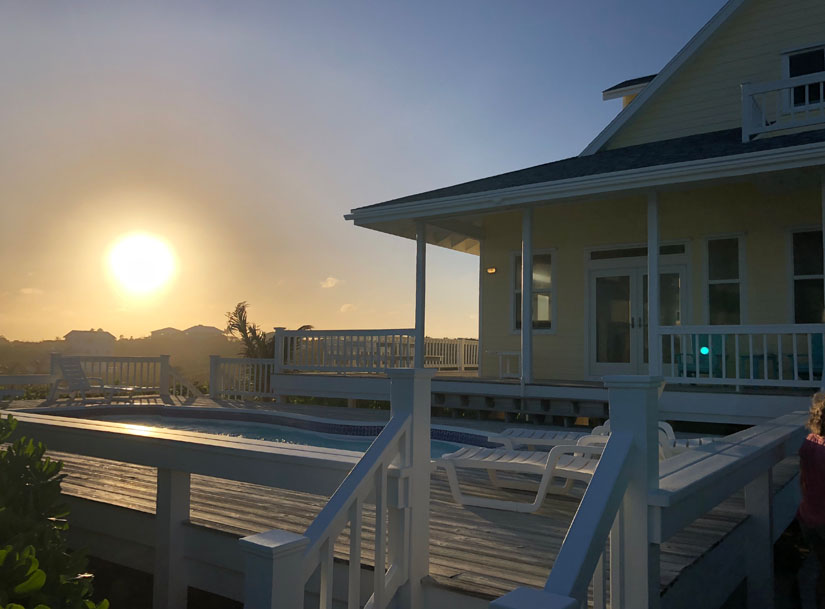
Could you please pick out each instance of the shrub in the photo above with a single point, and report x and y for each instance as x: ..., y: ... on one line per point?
x: 37, y: 570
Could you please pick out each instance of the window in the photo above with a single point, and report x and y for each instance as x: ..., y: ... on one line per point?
x: 542, y: 291
x: 806, y: 62
x: 723, y: 281
x: 808, y: 300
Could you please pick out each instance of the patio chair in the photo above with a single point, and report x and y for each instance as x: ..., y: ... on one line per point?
x: 568, y: 462
x: 75, y: 382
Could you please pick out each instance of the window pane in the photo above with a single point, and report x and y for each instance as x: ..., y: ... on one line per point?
x: 724, y: 303
x: 723, y: 259
x: 808, y: 301
x: 807, y: 253
x: 541, y: 272
x: 542, y: 311
x: 613, y: 319
x: 801, y: 64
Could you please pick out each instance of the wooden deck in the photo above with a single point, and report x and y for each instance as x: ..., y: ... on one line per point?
x: 475, y: 551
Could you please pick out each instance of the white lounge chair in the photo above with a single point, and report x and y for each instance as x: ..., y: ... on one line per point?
x: 75, y: 382
x: 570, y: 463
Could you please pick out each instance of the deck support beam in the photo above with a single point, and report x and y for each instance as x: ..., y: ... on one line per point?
x: 527, y: 296
x: 420, y: 291
x: 171, y: 513
x: 654, y: 343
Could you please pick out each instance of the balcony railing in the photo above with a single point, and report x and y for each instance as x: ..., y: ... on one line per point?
x: 784, y: 104
x: 776, y: 355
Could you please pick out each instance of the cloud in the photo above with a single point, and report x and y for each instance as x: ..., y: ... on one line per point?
x: 346, y: 308
x: 31, y: 291
x: 330, y: 282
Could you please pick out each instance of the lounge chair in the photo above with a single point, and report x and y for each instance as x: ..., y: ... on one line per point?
x: 75, y: 382
x: 568, y: 462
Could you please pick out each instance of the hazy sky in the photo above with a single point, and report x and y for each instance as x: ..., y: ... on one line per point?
x: 241, y: 132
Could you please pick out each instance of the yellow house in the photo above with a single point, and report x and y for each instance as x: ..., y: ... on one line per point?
x: 717, y: 164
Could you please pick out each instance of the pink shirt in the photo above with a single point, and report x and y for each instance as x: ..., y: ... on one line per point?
x: 812, y: 476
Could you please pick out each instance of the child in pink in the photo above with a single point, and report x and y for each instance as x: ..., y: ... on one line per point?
x: 811, y: 514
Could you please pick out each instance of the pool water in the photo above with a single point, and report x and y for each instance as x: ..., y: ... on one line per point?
x: 264, y: 431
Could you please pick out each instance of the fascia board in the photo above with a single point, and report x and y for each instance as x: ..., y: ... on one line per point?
x: 633, y: 179
x: 669, y: 70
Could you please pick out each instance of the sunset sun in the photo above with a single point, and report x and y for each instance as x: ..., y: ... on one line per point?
x: 141, y: 263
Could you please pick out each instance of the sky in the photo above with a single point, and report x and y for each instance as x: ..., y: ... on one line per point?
x: 240, y: 133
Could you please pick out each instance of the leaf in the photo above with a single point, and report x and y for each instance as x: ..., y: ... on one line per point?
x: 34, y: 582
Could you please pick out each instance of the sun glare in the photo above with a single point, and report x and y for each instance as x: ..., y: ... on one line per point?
x: 141, y: 263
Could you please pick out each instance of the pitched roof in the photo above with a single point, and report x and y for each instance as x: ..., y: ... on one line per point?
x: 672, y: 67
x: 690, y: 148
x: 631, y: 83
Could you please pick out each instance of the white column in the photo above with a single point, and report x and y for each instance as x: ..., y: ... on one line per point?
x: 759, y: 551
x: 411, y: 396
x: 654, y: 342
x: 273, y: 570
x: 278, y: 343
x: 634, y: 409
x: 420, y: 291
x: 527, y: 296
x: 171, y: 512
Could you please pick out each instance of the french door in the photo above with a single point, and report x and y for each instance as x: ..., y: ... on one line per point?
x: 618, y: 319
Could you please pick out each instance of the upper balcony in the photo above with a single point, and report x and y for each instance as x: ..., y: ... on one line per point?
x: 780, y: 105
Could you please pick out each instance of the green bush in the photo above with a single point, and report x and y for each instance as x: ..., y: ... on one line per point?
x: 37, y: 570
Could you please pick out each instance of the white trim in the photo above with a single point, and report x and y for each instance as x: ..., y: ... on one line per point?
x: 790, y: 157
x: 664, y: 76
x: 741, y: 280
x: 552, y: 291
x: 787, y: 96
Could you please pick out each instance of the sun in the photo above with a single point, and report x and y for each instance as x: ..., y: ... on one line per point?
x: 141, y: 263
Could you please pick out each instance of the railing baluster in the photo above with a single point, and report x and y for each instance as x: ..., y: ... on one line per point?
x: 750, y: 354
x: 779, y: 355
x: 354, y: 588
x: 380, y: 536
x: 326, y: 574
x: 765, y: 356
x: 736, y: 356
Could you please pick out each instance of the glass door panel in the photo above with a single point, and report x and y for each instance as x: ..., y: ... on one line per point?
x: 613, y: 319
x: 670, y: 307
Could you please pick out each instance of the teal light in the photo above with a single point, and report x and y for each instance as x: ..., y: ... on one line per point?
x: 704, y: 350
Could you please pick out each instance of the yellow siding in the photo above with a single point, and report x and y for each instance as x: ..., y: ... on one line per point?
x: 763, y: 213
x: 704, y: 95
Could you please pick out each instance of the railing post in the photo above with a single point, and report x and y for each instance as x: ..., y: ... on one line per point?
x: 634, y: 409
x: 759, y: 550
x: 273, y: 570
x: 461, y: 355
x: 171, y: 512
x: 411, y: 396
x: 279, y: 349
x: 164, y: 377
x: 214, y: 376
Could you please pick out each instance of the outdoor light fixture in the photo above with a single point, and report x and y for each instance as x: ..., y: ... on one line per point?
x: 491, y: 270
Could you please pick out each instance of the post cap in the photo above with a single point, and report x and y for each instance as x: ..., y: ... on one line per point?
x: 273, y: 543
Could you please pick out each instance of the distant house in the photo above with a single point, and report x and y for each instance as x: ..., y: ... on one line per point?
x: 89, y: 342
x: 201, y: 331
x: 167, y: 333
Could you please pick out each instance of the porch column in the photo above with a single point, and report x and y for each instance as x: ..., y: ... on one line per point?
x: 654, y: 343
x: 527, y: 296
x: 420, y: 291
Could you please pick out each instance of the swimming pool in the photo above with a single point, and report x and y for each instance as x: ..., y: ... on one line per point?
x: 264, y: 431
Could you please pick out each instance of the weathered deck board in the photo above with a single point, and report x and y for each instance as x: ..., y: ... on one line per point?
x: 476, y: 551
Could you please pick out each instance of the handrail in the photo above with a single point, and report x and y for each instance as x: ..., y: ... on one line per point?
x: 584, y: 543
x: 744, y: 329
x: 326, y: 333
x: 367, y: 477
x: 784, y: 83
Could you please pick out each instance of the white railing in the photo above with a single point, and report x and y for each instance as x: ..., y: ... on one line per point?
x: 658, y: 500
x: 369, y: 351
x: 345, y: 350
x: 783, y: 104
x: 238, y: 377
x: 394, y: 476
x: 788, y: 355
x: 183, y: 388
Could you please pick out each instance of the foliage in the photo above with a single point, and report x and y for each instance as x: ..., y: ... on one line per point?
x: 37, y: 570
x: 256, y: 343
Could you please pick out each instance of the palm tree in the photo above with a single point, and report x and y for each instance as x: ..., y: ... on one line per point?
x: 256, y: 344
